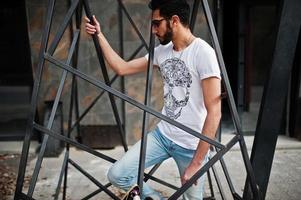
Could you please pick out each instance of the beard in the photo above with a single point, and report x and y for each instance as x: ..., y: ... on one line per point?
x: 166, y: 38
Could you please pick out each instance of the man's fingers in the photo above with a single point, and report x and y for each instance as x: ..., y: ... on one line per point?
x: 95, y: 20
x: 88, y: 25
x: 87, y: 19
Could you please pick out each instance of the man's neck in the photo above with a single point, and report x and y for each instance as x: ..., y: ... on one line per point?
x: 182, y: 39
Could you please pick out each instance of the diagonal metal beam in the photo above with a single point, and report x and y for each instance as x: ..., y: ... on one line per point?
x: 106, y: 77
x: 96, y: 192
x: 126, y: 98
x: 98, y: 97
x: 32, y: 114
x: 51, y: 119
x: 205, y: 168
x: 133, y: 24
x: 63, y: 27
x: 72, y: 142
x: 58, y: 187
x: 91, y: 178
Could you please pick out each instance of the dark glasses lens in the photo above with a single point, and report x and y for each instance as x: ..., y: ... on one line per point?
x: 157, y: 22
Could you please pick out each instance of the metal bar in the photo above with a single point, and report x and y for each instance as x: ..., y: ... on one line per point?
x: 58, y: 188
x: 205, y: 168
x: 121, y: 53
x: 72, y: 142
x: 126, y: 98
x: 161, y: 181
x: 76, y: 107
x: 91, y: 178
x: 194, y: 14
x: 275, y: 93
x: 90, y: 106
x: 78, y: 16
x: 219, y: 184
x: 78, y: 19
x: 51, y: 119
x: 63, y: 27
x: 231, y: 101
x: 106, y: 77
x: 230, y: 184
x: 96, y: 99
x: 210, y: 184
x: 147, y: 177
x: 147, y: 99
x: 96, y: 192
x: 133, y: 24
x: 69, y: 133
x: 31, y: 116
x: 152, y: 171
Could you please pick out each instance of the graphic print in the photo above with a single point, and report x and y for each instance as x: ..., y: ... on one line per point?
x: 177, y: 78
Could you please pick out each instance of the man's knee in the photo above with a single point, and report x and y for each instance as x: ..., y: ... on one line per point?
x: 118, y: 176
x: 113, y: 175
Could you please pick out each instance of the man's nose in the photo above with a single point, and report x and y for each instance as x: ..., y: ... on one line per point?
x: 154, y: 30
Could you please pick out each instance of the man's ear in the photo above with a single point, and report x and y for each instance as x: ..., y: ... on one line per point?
x: 175, y: 20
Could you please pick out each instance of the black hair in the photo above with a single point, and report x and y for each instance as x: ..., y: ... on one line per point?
x: 168, y: 8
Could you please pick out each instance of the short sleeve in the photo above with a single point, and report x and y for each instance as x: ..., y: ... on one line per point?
x: 207, y: 64
x: 156, y: 62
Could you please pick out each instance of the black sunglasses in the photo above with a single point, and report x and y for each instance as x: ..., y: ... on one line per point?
x: 157, y: 22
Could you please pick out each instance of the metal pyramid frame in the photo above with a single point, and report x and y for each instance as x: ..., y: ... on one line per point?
x: 70, y: 66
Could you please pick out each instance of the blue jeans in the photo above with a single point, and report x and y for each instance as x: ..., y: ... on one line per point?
x: 123, y: 174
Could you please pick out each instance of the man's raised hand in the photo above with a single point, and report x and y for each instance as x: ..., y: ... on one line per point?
x: 92, y: 28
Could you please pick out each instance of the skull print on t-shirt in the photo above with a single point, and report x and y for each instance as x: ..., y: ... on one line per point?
x: 177, y: 79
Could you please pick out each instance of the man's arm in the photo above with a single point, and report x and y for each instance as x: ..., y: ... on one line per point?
x: 120, y: 66
x: 212, y: 99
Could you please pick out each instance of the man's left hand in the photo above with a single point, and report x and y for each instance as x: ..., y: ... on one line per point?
x: 189, y: 172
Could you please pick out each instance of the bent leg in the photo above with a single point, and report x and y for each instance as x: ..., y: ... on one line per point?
x: 124, y: 172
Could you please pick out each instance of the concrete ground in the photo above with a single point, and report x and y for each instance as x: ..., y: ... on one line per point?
x: 285, y: 179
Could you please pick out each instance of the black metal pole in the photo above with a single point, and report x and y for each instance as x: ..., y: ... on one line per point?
x: 51, y: 119
x: 218, y: 182
x: 68, y: 134
x: 72, y: 142
x: 231, y: 101
x: 105, y: 76
x: 91, y: 178
x: 78, y: 16
x: 133, y: 24
x: 32, y: 114
x: 58, y: 36
x: 275, y: 93
x: 121, y: 53
x: 147, y: 99
x: 64, y: 165
x: 194, y: 14
x: 210, y: 184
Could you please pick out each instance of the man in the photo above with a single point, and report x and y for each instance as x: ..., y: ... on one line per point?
x: 191, y: 77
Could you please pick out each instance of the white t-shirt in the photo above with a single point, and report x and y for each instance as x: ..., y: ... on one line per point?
x: 182, y: 72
